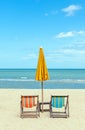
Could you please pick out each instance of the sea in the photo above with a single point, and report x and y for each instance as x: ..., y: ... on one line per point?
x: 59, y: 79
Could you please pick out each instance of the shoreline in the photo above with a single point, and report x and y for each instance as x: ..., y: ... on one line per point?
x: 10, y: 110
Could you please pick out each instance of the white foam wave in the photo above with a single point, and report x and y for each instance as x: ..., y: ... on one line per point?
x: 68, y: 81
x: 24, y: 79
x: 17, y: 80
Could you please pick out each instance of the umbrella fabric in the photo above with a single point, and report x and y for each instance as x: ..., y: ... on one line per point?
x: 41, y: 71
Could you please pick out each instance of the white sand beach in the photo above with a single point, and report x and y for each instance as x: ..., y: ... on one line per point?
x: 10, y: 111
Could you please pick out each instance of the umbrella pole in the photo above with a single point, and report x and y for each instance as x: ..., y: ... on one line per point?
x: 42, y: 95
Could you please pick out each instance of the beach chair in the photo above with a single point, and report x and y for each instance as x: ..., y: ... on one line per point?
x: 29, y: 106
x: 59, y: 106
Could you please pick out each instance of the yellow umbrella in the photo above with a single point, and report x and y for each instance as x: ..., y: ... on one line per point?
x: 41, y: 71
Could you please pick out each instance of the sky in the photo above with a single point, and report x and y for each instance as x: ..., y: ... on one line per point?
x: 56, y: 25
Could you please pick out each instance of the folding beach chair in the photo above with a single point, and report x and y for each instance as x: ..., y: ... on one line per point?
x: 29, y: 106
x: 59, y: 106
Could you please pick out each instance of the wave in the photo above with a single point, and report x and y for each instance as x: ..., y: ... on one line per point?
x: 69, y: 81
x: 17, y: 80
x: 24, y: 79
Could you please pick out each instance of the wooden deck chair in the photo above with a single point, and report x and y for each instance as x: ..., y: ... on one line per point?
x: 29, y: 106
x: 59, y: 106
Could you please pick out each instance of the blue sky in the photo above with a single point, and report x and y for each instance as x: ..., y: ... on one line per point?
x: 56, y: 25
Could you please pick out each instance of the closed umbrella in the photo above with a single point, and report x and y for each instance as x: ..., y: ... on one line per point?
x: 41, y: 71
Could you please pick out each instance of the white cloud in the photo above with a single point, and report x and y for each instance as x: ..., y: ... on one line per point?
x: 73, y: 52
x: 29, y: 56
x: 70, y: 34
x: 81, y: 32
x: 64, y: 54
x: 63, y: 34
x: 70, y: 10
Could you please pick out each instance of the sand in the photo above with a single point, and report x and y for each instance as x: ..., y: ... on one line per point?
x: 10, y: 111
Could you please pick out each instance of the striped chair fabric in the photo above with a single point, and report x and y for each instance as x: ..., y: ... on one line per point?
x: 28, y: 101
x: 58, y: 102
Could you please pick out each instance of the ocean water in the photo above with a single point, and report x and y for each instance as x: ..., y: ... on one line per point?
x: 59, y: 79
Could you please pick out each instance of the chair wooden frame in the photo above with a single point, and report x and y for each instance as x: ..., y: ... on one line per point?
x: 60, y: 114
x: 29, y: 112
